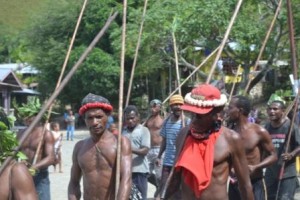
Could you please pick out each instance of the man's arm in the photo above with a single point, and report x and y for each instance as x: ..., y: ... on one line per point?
x: 49, y: 157
x: 296, y: 151
x: 240, y: 166
x: 22, y: 183
x: 268, y: 150
x: 74, y: 192
x: 145, y: 143
x: 126, y: 165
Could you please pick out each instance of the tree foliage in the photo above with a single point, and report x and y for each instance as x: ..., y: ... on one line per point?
x: 194, y: 23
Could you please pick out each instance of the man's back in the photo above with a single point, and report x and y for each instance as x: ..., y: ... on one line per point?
x: 30, y: 145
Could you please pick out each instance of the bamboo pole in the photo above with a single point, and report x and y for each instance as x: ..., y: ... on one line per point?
x: 187, y: 78
x: 177, y: 72
x: 237, y: 8
x: 121, y: 92
x: 136, y: 53
x: 295, y: 72
x: 59, y: 89
x: 59, y: 80
x: 264, y: 43
x: 233, y: 86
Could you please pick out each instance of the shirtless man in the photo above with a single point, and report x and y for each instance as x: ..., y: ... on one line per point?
x: 154, y: 124
x: 45, y: 158
x: 94, y: 158
x: 258, y: 146
x: 19, y: 183
x: 207, y: 151
x: 16, y: 181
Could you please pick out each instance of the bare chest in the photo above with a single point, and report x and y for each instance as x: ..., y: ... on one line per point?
x: 96, y: 159
x: 154, y: 123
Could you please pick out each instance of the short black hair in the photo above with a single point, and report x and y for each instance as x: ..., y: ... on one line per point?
x: 244, y: 103
x: 281, y: 103
x: 131, y: 108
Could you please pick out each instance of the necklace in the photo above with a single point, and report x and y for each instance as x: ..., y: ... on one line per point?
x: 97, y: 148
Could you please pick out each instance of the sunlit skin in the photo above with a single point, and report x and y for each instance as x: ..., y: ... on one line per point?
x: 94, y: 160
x: 228, y: 152
x: 257, y: 142
x: 19, y: 183
x: 46, y: 155
x: 154, y: 124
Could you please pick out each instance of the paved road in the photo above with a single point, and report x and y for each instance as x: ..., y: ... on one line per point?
x: 59, y: 181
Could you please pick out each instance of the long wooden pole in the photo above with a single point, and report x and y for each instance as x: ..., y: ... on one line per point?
x: 59, y: 79
x: 121, y: 92
x: 177, y: 72
x: 295, y: 72
x: 264, y: 44
x: 136, y: 53
x: 60, y: 88
x: 187, y: 78
x: 237, y: 8
x: 234, y: 83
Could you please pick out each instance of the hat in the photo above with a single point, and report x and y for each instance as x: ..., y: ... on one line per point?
x: 176, y: 99
x: 203, y: 99
x: 155, y: 102
x: 94, y: 101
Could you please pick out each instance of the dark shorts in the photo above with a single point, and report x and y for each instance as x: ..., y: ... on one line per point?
x: 42, y: 184
x: 258, y: 186
x: 287, y: 189
x: 141, y: 182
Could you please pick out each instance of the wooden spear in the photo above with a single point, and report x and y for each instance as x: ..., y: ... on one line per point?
x: 59, y: 81
x: 136, y: 53
x: 295, y: 72
x: 187, y: 78
x: 59, y: 89
x: 224, y: 41
x: 118, y: 161
x: 234, y: 83
x: 177, y: 71
x: 264, y: 44
x: 207, y: 81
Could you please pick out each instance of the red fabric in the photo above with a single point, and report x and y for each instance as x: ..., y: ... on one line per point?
x: 87, y: 106
x: 196, y: 161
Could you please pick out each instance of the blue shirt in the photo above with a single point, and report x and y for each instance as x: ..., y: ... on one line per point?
x: 170, y: 131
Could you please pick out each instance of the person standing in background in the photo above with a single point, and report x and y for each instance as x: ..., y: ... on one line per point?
x: 70, y: 120
x: 140, y: 145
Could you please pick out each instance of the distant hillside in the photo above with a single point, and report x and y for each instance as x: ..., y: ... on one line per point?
x: 15, y: 14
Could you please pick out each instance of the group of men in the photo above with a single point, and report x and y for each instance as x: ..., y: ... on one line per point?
x: 197, y: 155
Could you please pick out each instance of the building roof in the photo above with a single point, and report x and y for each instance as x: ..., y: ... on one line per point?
x: 22, y: 68
x: 9, y: 79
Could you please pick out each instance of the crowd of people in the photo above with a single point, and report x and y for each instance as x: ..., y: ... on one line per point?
x: 191, y: 153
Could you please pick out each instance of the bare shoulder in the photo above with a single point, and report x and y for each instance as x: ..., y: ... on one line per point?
x: 259, y: 129
x: 230, y: 135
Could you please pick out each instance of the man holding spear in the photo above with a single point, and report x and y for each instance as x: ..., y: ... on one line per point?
x: 94, y: 158
x: 45, y: 156
x: 207, y: 151
x: 278, y: 128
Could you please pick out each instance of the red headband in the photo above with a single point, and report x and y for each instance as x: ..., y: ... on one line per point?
x: 87, y: 106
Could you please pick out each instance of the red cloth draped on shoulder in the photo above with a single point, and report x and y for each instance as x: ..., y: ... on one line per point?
x: 196, y: 161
